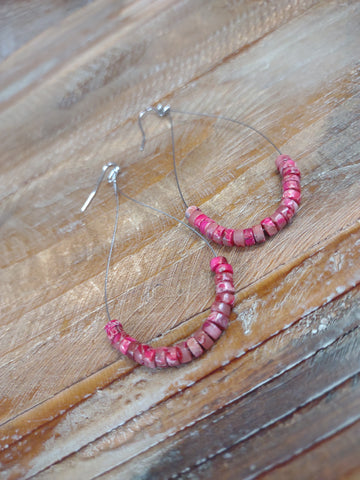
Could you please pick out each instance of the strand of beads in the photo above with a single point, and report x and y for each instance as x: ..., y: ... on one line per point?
x: 266, y: 228
x: 198, y: 343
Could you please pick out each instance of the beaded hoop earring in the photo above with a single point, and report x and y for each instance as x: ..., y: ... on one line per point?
x: 247, y: 237
x: 203, y: 338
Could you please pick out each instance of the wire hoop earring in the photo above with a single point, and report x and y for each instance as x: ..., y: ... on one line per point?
x: 203, y: 338
x: 269, y: 226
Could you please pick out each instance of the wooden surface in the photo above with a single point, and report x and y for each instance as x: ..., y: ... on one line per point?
x: 278, y: 397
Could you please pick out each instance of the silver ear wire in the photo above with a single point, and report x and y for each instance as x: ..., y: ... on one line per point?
x: 115, y: 169
x: 112, y: 179
x: 160, y: 110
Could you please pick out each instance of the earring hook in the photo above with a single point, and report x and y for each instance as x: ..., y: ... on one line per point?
x: 115, y: 169
x: 160, y: 110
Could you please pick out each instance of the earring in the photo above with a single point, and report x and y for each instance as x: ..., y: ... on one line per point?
x: 247, y: 237
x: 203, y: 338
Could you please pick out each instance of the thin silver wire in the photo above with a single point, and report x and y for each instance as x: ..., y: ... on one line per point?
x: 165, y: 111
x: 112, y: 178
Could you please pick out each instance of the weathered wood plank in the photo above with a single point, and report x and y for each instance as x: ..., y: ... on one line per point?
x: 303, y: 380
x: 68, y: 103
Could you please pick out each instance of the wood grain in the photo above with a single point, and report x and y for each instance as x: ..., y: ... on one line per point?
x: 71, y: 87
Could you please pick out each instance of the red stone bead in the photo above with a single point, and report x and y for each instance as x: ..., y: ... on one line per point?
x: 225, y: 287
x: 124, y: 344
x: 149, y: 357
x: 287, y: 164
x: 216, y: 261
x: 228, y: 237
x: 210, y: 229
x: 269, y: 226
x: 293, y: 194
x: 249, y: 237
x: 291, y: 184
x: 291, y: 171
x: 279, y: 220
x: 173, y: 356
x: 186, y: 355
x: 138, y: 355
x: 118, y: 337
x: 113, y: 328
x: 194, y: 216
x: 191, y: 210
x: 280, y: 160
x: 291, y: 178
x: 205, y: 224
x: 221, y: 307
x: 223, y: 277
x: 238, y: 238
x: 228, y: 298
x: 219, y: 319
x: 286, y: 212
x: 288, y: 202
x: 132, y: 349
x: 199, y: 219
x: 218, y: 234
x: 212, y: 330
x: 224, y: 267
x: 203, y: 339
x: 258, y: 233
x: 160, y: 357
x: 194, y: 347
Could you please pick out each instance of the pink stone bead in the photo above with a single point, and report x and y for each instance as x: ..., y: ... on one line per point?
x: 219, y: 319
x: 249, y: 237
x: 269, y: 226
x: 173, y: 356
x: 258, y: 233
x: 210, y: 229
x: 288, y: 202
x: 291, y: 171
x: 286, y: 212
x: 291, y: 184
x: 138, y: 355
x: 132, y: 349
x: 118, y: 337
x: 149, y: 357
x: 216, y: 261
x: 238, y: 238
x: 225, y: 287
x: 191, y: 210
x: 224, y: 267
x: 212, y: 330
x: 221, y: 307
x: 199, y: 219
x: 293, y: 194
x: 280, y: 160
x: 287, y: 164
x: 203, y: 339
x: 224, y: 277
x: 279, y: 220
x: 204, y: 225
x: 228, y: 298
x: 186, y: 355
x: 194, y: 216
x: 218, y: 234
x: 291, y: 177
x: 228, y: 237
x: 160, y: 357
x: 194, y: 347
x: 113, y: 328
x: 125, y: 343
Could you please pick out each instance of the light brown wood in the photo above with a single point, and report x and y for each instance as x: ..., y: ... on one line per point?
x: 70, y: 94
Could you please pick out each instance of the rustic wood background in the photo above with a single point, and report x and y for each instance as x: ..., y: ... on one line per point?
x: 278, y: 397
